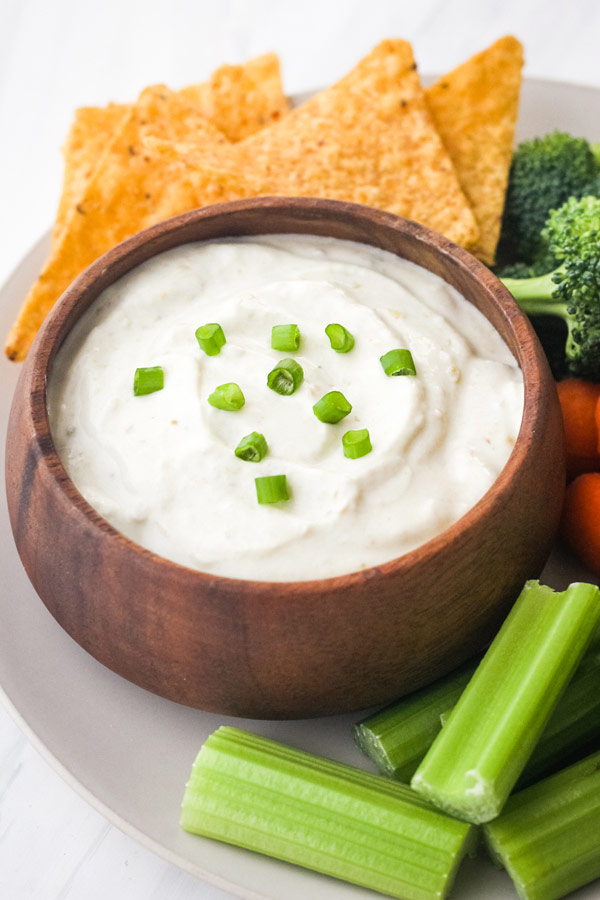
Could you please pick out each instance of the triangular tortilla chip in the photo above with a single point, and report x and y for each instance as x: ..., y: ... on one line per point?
x: 369, y: 139
x: 475, y: 108
x: 238, y: 99
x: 87, y: 141
x: 127, y: 191
x: 241, y: 100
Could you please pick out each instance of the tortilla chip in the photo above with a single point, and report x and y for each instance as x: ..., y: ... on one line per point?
x: 111, y: 188
x: 475, y: 109
x: 173, y: 193
x: 127, y: 191
x: 240, y: 100
x: 368, y: 139
x: 87, y: 141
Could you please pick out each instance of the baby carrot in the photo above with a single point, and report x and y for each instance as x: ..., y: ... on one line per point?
x: 581, y: 519
x: 579, y: 402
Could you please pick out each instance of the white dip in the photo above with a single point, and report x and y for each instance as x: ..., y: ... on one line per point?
x: 161, y: 468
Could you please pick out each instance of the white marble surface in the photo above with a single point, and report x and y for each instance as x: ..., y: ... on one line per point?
x: 61, y: 54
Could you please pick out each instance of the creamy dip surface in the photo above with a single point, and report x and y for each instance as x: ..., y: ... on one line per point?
x: 161, y: 468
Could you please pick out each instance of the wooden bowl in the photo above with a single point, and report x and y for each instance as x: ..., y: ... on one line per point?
x: 283, y: 650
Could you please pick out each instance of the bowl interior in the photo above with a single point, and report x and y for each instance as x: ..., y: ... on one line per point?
x: 345, y: 221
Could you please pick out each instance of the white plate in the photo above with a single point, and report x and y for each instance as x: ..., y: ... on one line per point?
x: 129, y: 753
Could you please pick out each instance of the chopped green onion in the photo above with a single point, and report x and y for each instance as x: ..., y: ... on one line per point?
x: 340, y: 338
x: 227, y: 396
x: 547, y: 837
x: 147, y: 380
x: 356, y: 443
x: 252, y: 448
x: 398, y: 362
x: 255, y: 793
x: 475, y: 761
x: 210, y: 338
x: 271, y: 489
x: 285, y: 337
x: 332, y: 408
x: 398, y: 737
x: 286, y: 377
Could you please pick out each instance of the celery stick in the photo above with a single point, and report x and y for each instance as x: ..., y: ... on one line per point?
x: 255, y: 793
x: 548, y: 836
x: 475, y: 761
x: 574, y: 727
x: 398, y: 737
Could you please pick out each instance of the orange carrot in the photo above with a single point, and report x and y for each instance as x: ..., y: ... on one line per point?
x: 579, y: 401
x: 581, y: 519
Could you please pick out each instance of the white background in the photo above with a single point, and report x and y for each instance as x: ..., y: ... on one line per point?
x: 59, y: 54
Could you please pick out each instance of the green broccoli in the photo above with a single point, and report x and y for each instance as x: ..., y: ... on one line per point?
x: 572, y: 291
x: 541, y: 266
x: 544, y: 173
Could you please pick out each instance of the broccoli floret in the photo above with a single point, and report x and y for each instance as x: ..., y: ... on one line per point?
x: 515, y: 270
x: 544, y: 173
x: 572, y: 225
x: 541, y: 266
x: 593, y: 188
x: 572, y: 291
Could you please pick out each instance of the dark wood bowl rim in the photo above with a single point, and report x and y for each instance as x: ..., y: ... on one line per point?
x: 49, y: 340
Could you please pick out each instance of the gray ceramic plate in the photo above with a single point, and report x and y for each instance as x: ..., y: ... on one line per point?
x: 129, y: 753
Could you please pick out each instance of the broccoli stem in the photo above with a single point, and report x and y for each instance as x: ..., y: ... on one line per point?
x: 529, y: 291
x: 535, y: 298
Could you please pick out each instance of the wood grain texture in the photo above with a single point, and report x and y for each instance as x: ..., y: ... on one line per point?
x: 282, y: 650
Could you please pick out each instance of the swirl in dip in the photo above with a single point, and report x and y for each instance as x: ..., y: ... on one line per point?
x: 161, y: 468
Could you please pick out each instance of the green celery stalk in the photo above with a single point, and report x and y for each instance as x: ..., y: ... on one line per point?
x: 398, y: 737
x: 574, y: 727
x: 548, y: 836
x: 475, y: 761
x: 258, y: 794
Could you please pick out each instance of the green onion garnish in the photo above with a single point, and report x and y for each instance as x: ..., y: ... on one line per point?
x: 547, y: 835
x: 252, y: 448
x: 286, y: 377
x: 271, y: 489
x: 332, y: 407
x: 476, y: 759
x: 340, y: 338
x: 210, y: 338
x: 285, y: 337
x: 147, y: 380
x: 398, y: 362
x: 261, y: 795
x: 356, y: 443
x: 227, y: 396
